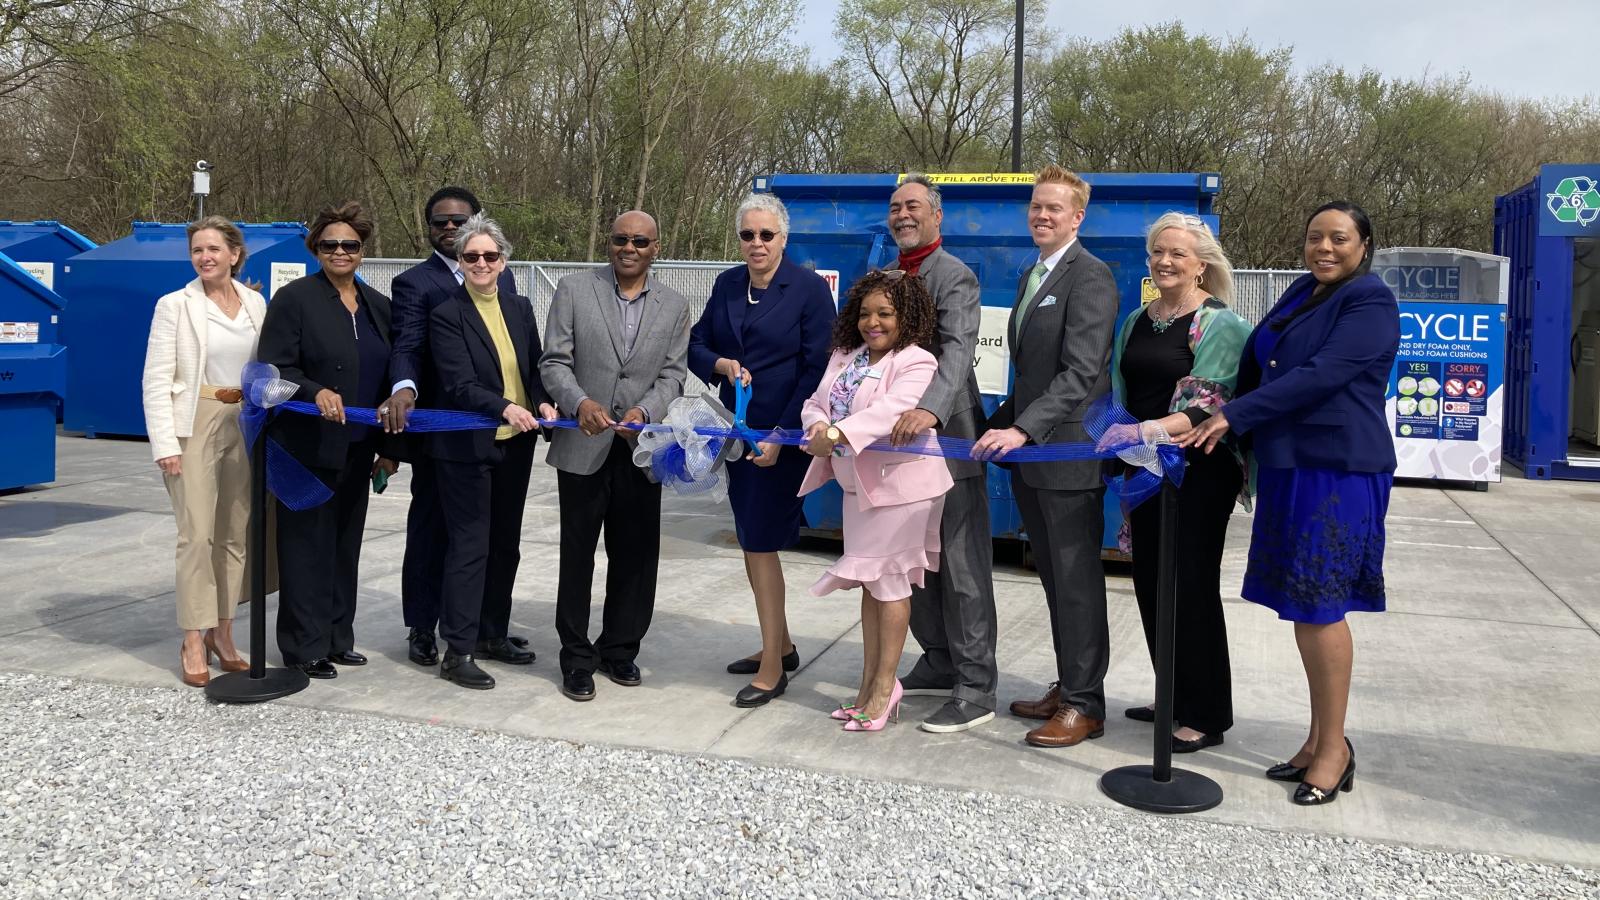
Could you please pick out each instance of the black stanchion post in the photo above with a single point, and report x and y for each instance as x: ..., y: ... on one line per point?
x: 259, y: 683
x: 1159, y: 787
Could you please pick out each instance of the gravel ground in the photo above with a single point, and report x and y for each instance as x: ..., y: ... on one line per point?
x: 109, y: 791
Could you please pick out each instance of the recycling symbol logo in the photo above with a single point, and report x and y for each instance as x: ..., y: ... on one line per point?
x: 1576, y: 200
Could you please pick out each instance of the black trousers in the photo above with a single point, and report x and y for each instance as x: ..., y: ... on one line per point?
x: 482, y: 503
x: 422, y: 572
x: 1065, y: 530
x: 621, y: 502
x: 1202, y: 682
x: 319, y: 554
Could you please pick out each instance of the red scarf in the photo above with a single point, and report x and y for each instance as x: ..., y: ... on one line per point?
x: 911, y: 262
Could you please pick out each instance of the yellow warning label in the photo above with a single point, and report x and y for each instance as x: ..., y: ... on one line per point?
x: 1147, y: 291
x: 977, y: 178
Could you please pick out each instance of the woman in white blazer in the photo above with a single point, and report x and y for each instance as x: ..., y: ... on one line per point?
x: 201, y: 337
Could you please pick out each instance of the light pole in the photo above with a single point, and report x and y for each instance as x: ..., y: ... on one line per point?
x: 202, y: 186
x: 1016, y: 100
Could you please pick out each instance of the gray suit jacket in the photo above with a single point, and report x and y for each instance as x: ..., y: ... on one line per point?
x: 953, y: 395
x: 1061, y: 352
x: 583, y: 357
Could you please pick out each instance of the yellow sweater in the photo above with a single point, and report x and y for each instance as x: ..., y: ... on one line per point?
x: 489, y: 308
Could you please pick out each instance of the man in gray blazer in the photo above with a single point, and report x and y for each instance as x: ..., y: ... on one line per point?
x: 616, y: 344
x: 952, y: 615
x: 1060, y: 338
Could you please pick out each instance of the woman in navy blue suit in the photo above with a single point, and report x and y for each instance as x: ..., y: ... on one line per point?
x: 1311, y: 401
x: 767, y: 325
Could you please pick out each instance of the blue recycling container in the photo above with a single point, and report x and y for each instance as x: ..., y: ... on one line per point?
x: 41, y: 247
x: 1550, y: 228
x: 839, y: 225
x: 33, y: 376
x: 112, y: 291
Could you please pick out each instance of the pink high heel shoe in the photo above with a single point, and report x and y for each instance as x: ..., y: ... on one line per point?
x: 845, y: 712
x: 859, y: 721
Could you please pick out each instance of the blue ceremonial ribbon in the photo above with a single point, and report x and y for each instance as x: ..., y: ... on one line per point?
x: 299, y: 489
x: 287, y: 479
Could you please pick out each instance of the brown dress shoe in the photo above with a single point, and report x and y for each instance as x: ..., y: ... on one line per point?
x: 1066, y: 728
x: 1039, y: 709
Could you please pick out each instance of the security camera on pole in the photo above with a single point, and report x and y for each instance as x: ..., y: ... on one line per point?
x: 202, y: 186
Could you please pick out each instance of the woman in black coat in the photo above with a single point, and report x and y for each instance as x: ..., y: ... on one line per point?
x: 329, y: 334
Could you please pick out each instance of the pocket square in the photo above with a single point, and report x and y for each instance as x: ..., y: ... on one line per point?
x: 1048, y: 301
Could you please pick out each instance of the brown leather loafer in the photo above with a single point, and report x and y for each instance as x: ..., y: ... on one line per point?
x: 1066, y: 728
x: 1039, y: 709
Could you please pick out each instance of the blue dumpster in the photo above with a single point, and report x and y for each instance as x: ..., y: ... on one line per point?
x: 1550, y: 230
x: 33, y: 376
x: 839, y: 225
x: 41, y: 247
x: 112, y: 291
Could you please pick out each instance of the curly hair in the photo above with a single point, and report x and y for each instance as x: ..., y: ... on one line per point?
x: 912, y: 303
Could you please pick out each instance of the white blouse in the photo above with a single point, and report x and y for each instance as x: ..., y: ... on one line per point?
x: 230, y: 343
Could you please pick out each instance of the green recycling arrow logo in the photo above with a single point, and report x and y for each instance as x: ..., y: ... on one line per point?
x: 1576, y: 200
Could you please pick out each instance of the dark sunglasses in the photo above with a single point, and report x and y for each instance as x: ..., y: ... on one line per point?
x: 766, y: 236
x: 330, y: 247
x: 638, y: 241
x: 442, y: 221
x: 472, y: 256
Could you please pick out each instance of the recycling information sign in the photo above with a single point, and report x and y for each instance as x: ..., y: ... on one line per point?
x: 1571, y: 201
x: 1446, y: 392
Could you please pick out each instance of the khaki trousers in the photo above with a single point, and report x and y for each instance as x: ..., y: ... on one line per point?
x: 211, y: 500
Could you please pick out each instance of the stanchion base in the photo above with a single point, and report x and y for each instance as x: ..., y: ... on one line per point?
x: 239, y: 687
x: 1136, y: 786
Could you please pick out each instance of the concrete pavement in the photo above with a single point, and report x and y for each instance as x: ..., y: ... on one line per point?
x: 1474, y: 711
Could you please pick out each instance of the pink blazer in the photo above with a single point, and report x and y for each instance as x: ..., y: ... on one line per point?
x: 883, y: 478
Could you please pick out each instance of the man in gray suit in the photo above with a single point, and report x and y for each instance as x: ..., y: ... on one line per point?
x: 616, y: 344
x: 952, y: 615
x: 1060, y: 338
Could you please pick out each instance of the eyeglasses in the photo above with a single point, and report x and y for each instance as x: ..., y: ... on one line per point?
x: 1195, y: 222
x: 748, y: 236
x: 332, y: 247
x: 441, y: 221
x: 472, y: 256
x: 639, y: 241
x: 891, y: 275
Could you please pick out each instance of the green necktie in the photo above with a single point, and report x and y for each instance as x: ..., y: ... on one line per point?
x: 1035, y: 278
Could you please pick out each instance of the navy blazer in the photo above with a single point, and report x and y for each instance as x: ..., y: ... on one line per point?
x: 1319, y: 402
x: 467, y: 369
x: 415, y: 292
x: 783, y: 340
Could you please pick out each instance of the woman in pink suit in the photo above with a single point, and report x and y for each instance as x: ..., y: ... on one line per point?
x: 879, y: 370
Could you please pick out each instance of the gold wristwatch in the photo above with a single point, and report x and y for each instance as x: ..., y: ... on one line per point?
x: 834, y: 434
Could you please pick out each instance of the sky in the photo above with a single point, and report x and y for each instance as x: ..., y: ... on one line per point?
x: 1528, y: 48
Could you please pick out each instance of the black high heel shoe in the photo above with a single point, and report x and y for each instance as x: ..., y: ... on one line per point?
x: 1308, y: 794
x: 1289, y: 772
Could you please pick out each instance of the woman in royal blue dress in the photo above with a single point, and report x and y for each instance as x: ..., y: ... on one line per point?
x: 1310, y: 401
x: 767, y: 325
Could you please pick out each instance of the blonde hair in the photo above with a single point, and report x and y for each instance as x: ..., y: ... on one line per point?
x: 1076, y: 186
x: 1217, y: 279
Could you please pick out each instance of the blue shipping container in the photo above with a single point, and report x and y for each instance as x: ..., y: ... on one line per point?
x: 1546, y: 227
x: 839, y: 224
x: 112, y: 291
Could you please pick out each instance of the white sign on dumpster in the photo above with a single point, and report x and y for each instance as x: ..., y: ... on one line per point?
x: 45, y: 272
x: 991, y: 359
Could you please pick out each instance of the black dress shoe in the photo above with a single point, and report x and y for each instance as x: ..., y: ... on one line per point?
x: 423, y: 650
x: 502, y: 650
x: 519, y: 640
x: 791, y: 661
x: 1140, y: 713
x: 752, y: 696
x: 348, y: 658
x: 1308, y: 794
x: 1286, y: 772
x: 578, y: 686
x: 623, y: 672
x: 1179, y: 745
x: 317, y: 668
x: 459, y: 668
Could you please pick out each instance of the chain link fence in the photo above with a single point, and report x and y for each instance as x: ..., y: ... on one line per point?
x: 1255, y: 290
